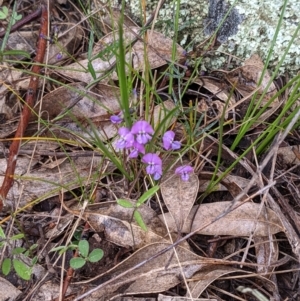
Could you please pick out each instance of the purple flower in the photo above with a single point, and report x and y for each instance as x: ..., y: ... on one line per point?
x: 116, y: 119
x: 143, y: 131
x: 184, y: 172
x: 168, y: 141
x: 59, y: 56
x: 126, y: 138
x: 136, y: 149
x: 154, y: 165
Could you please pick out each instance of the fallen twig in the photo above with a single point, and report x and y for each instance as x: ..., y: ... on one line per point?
x: 29, y: 103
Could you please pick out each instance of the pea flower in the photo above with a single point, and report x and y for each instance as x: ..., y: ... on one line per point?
x: 168, y: 141
x: 136, y: 149
x: 143, y: 131
x: 154, y: 165
x: 126, y: 138
x: 184, y: 172
x: 116, y: 119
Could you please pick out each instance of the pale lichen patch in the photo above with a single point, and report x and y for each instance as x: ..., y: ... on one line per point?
x: 253, y: 35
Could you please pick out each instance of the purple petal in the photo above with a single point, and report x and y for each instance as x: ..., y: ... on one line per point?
x: 116, y: 119
x: 123, y: 131
x: 153, y: 159
x: 137, y: 148
x: 184, y: 171
x: 168, y: 138
x: 157, y: 175
x: 143, y: 138
x: 142, y: 126
x: 176, y: 145
x: 134, y: 154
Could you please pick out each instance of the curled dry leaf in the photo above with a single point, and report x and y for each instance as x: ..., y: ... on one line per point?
x: 160, y: 113
x: 245, y: 220
x: 159, y: 52
x: 217, y: 91
x: 38, y: 183
x: 68, y: 40
x: 267, y: 251
x: 179, y: 196
x: 120, y: 228
x: 289, y: 154
x: 83, y: 111
x: 171, y: 298
x: 246, y: 79
x: 157, y: 275
x: 206, y: 276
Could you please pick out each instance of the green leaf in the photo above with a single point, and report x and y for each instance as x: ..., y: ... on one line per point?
x: 2, y: 234
x: 17, y: 17
x: 6, y: 266
x: 18, y: 250
x: 77, y: 263
x: 34, y: 260
x: 83, y: 247
x: 96, y: 255
x: 125, y: 203
x: 17, y: 236
x: 34, y: 246
x: 3, y: 12
x: 22, y: 269
x: 148, y: 194
x: 137, y: 216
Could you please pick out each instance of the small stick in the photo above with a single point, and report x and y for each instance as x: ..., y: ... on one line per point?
x: 28, y: 105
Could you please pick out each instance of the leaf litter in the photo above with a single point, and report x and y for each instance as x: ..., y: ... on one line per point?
x: 61, y: 166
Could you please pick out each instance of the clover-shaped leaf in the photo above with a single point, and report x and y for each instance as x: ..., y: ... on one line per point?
x: 3, y: 12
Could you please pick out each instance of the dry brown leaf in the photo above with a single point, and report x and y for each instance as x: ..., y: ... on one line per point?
x: 159, y: 51
x: 153, y: 276
x: 159, y: 48
x: 41, y: 183
x: 241, y: 182
x: 120, y: 228
x: 68, y: 40
x: 179, y: 196
x: 267, y: 253
x: 91, y: 110
x: 289, y: 154
x: 94, y: 105
x: 206, y: 276
x: 246, y: 78
x: 160, y: 112
x: 171, y: 298
x: 243, y: 221
x: 7, y: 290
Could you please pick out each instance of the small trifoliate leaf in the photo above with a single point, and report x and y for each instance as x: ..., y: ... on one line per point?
x: 3, y: 12
x: 83, y: 247
x: 125, y: 203
x: 77, y: 263
x: 96, y: 255
x: 137, y: 216
x: 22, y: 269
x: 6, y: 266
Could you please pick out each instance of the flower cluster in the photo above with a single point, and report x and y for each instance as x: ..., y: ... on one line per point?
x: 137, y: 137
